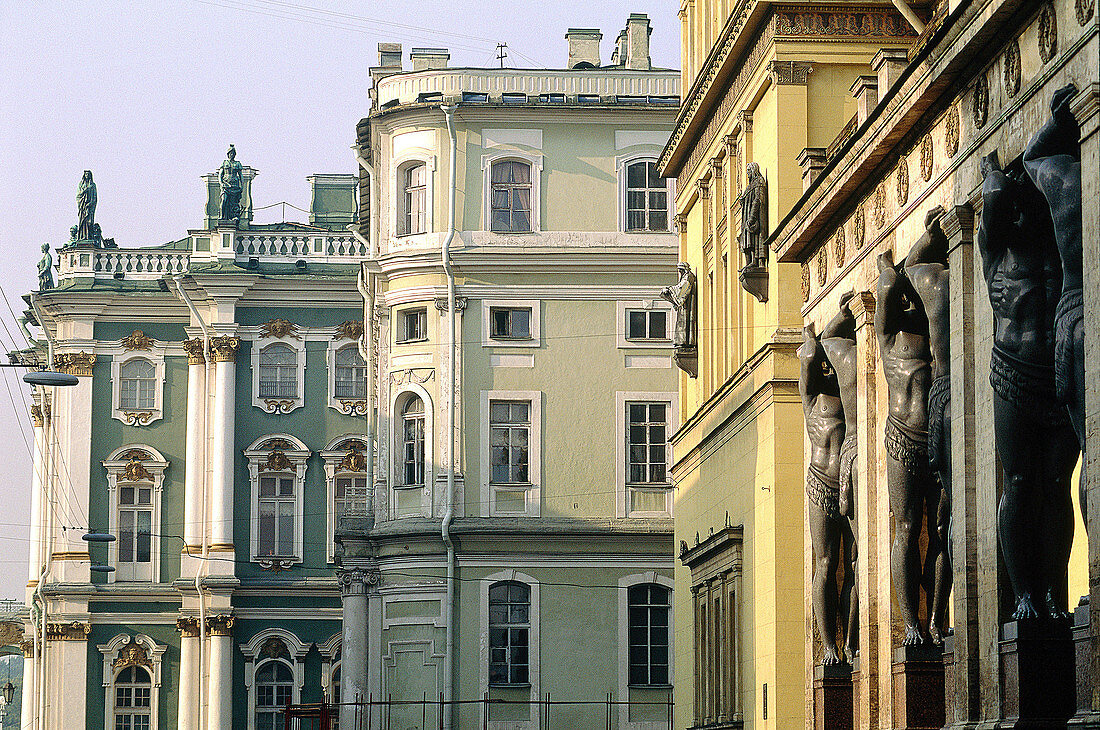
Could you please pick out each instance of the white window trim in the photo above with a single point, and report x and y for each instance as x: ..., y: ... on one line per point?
x: 153, y: 464
x: 251, y: 651
x: 257, y: 455
x: 624, y: 645
x: 347, y: 406
x: 534, y: 159
x: 649, y: 305
x: 621, y: 163
x: 535, y: 305
x: 397, y: 200
x: 622, y: 496
x: 279, y: 405
x: 533, y: 499
x: 154, y: 652
x: 330, y: 662
x: 397, y: 451
x: 339, y: 462
x: 534, y: 674
x: 138, y: 416
x: 399, y: 319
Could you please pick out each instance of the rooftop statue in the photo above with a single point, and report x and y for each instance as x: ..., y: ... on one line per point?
x: 45, y: 269
x: 230, y: 177
x: 86, y: 228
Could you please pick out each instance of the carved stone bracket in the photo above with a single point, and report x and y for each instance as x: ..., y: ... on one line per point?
x: 194, y: 351
x: 754, y: 280
x: 958, y: 225
x: 353, y: 407
x: 224, y: 348
x: 687, y: 359
x: 72, y: 631
x: 221, y: 625
x: 357, y: 581
x: 441, y: 304
x: 188, y: 626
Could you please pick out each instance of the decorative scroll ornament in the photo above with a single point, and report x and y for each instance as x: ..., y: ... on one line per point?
x: 838, y: 247
x: 441, y: 304
x: 1012, y: 68
x: 353, y: 461
x: 805, y: 283
x: 137, y: 340
x: 135, y: 471
x: 132, y: 655
x: 356, y: 581
x: 926, y: 158
x: 135, y: 454
x: 822, y: 266
x: 274, y: 565
x: 225, y: 348
x: 137, y: 418
x: 1048, y: 32
x: 351, y: 329
x: 859, y: 228
x: 279, y: 405
x: 72, y: 631
x: 188, y: 626
x: 194, y: 351
x: 980, y: 100
x: 1084, y: 10
x: 878, y: 206
x: 277, y: 461
x: 74, y: 363
x: 951, y: 131
x: 353, y: 407
x: 279, y: 329
x: 903, y: 181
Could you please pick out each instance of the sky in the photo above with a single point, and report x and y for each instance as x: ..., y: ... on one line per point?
x: 149, y: 96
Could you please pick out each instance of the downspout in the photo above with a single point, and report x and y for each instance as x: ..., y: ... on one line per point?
x: 368, y: 298
x: 448, y: 517
x: 907, y: 12
x: 205, y: 532
x: 374, y: 201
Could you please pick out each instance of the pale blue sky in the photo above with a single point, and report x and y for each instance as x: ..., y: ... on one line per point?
x: 149, y: 95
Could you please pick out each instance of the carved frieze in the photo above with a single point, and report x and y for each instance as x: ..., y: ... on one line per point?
x: 951, y: 131
x: 980, y: 101
x: 858, y: 23
x: 838, y: 247
x: 137, y: 340
x: 194, y: 351
x: 859, y: 228
x: 926, y: 158
x: 225, y: 348
x: 903, y: 181
x: 1048, y: 32
x: 1012, y: 68
x: 805, y: 283
x: 279, y: 329
x: 74, y: 363
x: 412, y: 375
x: 72, y: 631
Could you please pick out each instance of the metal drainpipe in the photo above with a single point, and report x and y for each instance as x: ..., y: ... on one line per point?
x: 448, y: 517
x: 374, y: 200
x: 907, y: 12
x: 205, y: 534
x: 368, y: 298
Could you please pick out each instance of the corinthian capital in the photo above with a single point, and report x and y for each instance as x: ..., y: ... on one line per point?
x: 225, y: 348
x: 194, y: 351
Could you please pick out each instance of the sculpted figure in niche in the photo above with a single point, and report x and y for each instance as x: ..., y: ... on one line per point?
x: 230, y: 177
x: 821, y: 404
x: 1053, y: 162
x: 86, y: 200
x: 45, y: 269
x: 754, y: 218
x: 682, y: 297
x: 838, y: 339
x: 902, y: 330
x: 926, y: 269
x: 1035, y: 441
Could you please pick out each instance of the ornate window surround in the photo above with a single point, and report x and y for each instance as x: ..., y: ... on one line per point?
x: 279, y: 331
x: 396, y: 450
x: 625, y: 583
x: 621, y: 163
x: 534, y: 671
x: 533, y: 499
x: 534, y: 159
x: 343, y: 456
x: 116, y: 657
x: 348, y: 406
x: 252, y: 660
x: 622, y: 492
x: 402, y: 162
x: 152, y: 352
x: 135, y: 463
x: 278, y: 453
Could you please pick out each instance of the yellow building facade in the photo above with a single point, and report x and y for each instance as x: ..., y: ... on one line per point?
x: 763, y: 83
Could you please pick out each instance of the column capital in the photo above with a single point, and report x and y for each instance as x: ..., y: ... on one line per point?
x: 704, y: 188
x: 441, y: 304
x: 72, y: 631
x: 790, y: 73
x: 862, y: 306
x: 36, y: 416
x: 220, y: 625
x: 958, y: 225
x: 194, y: 351
x: 188, y: 626
x: 224, y: 348
x: 356, y: 581
x: 74, y: 363
x: 28, y: 648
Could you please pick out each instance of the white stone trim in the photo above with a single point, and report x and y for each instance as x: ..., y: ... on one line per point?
x: 155, y: 464
x: 511, y: 139
x: 138, y: 416
x: 396, y: 451
x: 625, y: 583
x: 257, y: 455
x: 347, y: 406
x: 533, y: 499
x: 251, y: 651
x: 621, y: 162
x: 534, y: 159
x: 279, y: 405
x: 622, y: 492
x: 656, y: 303
x: 332, y: 456
x: 534, y: 653
x: 156, y: 657
x: 535, y: 305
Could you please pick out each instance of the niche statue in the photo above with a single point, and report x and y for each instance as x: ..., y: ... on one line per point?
x: 682, y: 296
x: 230, y: 177
x: 829, y: 529
x: 754, y: 233
x: 902, y: 330
x: 926, y: 270
x: 1053, y: 162
x: 1034, y: 438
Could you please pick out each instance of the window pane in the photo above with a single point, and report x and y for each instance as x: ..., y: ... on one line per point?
x: 658, y: 220
x: 635, y: 201
x: 144, y: 536
x: 636, y: 175
x: 521, y: 172
x: 521, y: 199
x: 266, y: 528
x: 654, y: 175
x: 286, y: 528
x: 126, y: 536
x: 636, y: 325
x: 521, y: 221
x: 521, y: 323
x: 657, y: 326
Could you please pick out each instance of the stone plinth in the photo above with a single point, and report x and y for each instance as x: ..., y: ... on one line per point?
x: 857, y: 687
x: 949, y: 675
x: 1037, y: 670
x: 1085, y: 717
x: 833, y: 697
x: 918, y: 688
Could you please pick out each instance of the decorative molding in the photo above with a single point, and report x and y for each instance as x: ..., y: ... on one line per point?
x: 787, y: 73
x: 135, y: 471
x: 351, y: 329
x: 1048, y: 32
x: 28, y: 648
x: 805, y: 282
x: 1012, y: 68
x: 822, y: 265
x: 412, y: 375
x: 859, y: 228
x: 279, y: 329
x: 137, y: 418
x: 135, y: 415
x: 276, y: 461
x: 354, y: 461
x: 225, y: 348
x: 279, y: 405
x: 838, y: 247
x: 903, y: 180
x: 275, y: 565
x: 72, y: 631
x: 137, y: 340
x: 188, y: 626
x: 951, y: 131
x: 841, y: 23
x: 352, y: 407
x: 74, y: 363
x: 132, y: 655
x: 980, y: 101
x: 220, y: 625
x: 194, y: 351
x: 926, y: 157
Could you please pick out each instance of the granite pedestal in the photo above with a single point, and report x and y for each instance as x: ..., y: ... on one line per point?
x: 833, y: 697
x: 1038, y: 666
x: 918, y: 688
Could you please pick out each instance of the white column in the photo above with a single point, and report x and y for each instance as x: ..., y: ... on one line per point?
x: 26, y: 710
x: 71, y: 424
x: 354, y: 583
x: 39, y: 412
x: 188, y: 709
x: 195, y: 466
x: 67, y: 675
x: 220, y: 496
x: 219, y: 694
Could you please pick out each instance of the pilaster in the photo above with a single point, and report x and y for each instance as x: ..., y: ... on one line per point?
x: 70, y: 464
x: 220, y: 497
x: 219, y: 693
x: 66, y: 657
x: 195, y: 468
x: 187, y: 711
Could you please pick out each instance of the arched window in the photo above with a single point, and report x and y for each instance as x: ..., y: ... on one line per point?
x: 412, y: 421
x: 351, y: 373
x: 509, y: 633
x: 510, y: 188
x: 133, y: 700
x: 278, y: 372
x: 648, y: 609
x: 274, y: 687
x: 413, y: 215
x: 646, y: 198
x: 137, y: 384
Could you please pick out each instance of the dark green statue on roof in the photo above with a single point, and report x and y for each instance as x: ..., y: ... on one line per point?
x: 45, y: 269
x: 86, y: 229
x: 230, y: 176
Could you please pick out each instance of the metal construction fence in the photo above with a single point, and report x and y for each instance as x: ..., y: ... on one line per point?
x: 428, y: 714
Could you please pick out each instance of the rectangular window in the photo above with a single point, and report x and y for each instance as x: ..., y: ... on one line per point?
x: 509, y: 633
x: 135, y: 524
x: 510, y: 192
x: 414, y: 180
x: 351, y: 495
x: 648, y: 609
x: 647, y: 443
x: 413, y: 326
x: 509, y: 434
x: 647, y: 324
x: 276, y: 512
x: 510, y: 323
x: 646, y: 198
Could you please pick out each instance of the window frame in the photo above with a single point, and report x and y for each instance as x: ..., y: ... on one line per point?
x: 151, y: 473
x: 151, y: 663
x: 535, y: 160
x: 534, y: 324
x: 623, y: 488
x: 251, y: 650
x: 291, y: 457
x: 622, y: 162
x: 401, y: 335
x: 398, y: 490
x: 401, y: 193
x: 417, y: 154
x: 534, y: 671
x: 278, y: 404
x: 625, y: 688
x: 138, y: 416
x: 624, y: 307
x: 508, y: 626
x: 341, y: 462
x: 532, y: 490
x: 347, y: 406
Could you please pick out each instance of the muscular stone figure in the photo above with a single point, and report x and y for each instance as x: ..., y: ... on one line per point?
x: 1035, y: 441
x: 838, y: 339
x: 902, y: 330
x: 926, y: 269
x: 1053, y: 162
x: 817, y: 384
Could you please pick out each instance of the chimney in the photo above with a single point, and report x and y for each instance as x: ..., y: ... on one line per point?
x: 427, y: 59
x: 637, y: 42
x: 618, y: 56
x: 332, y: 202
x: 389, y: 55
x: 584, y: 47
